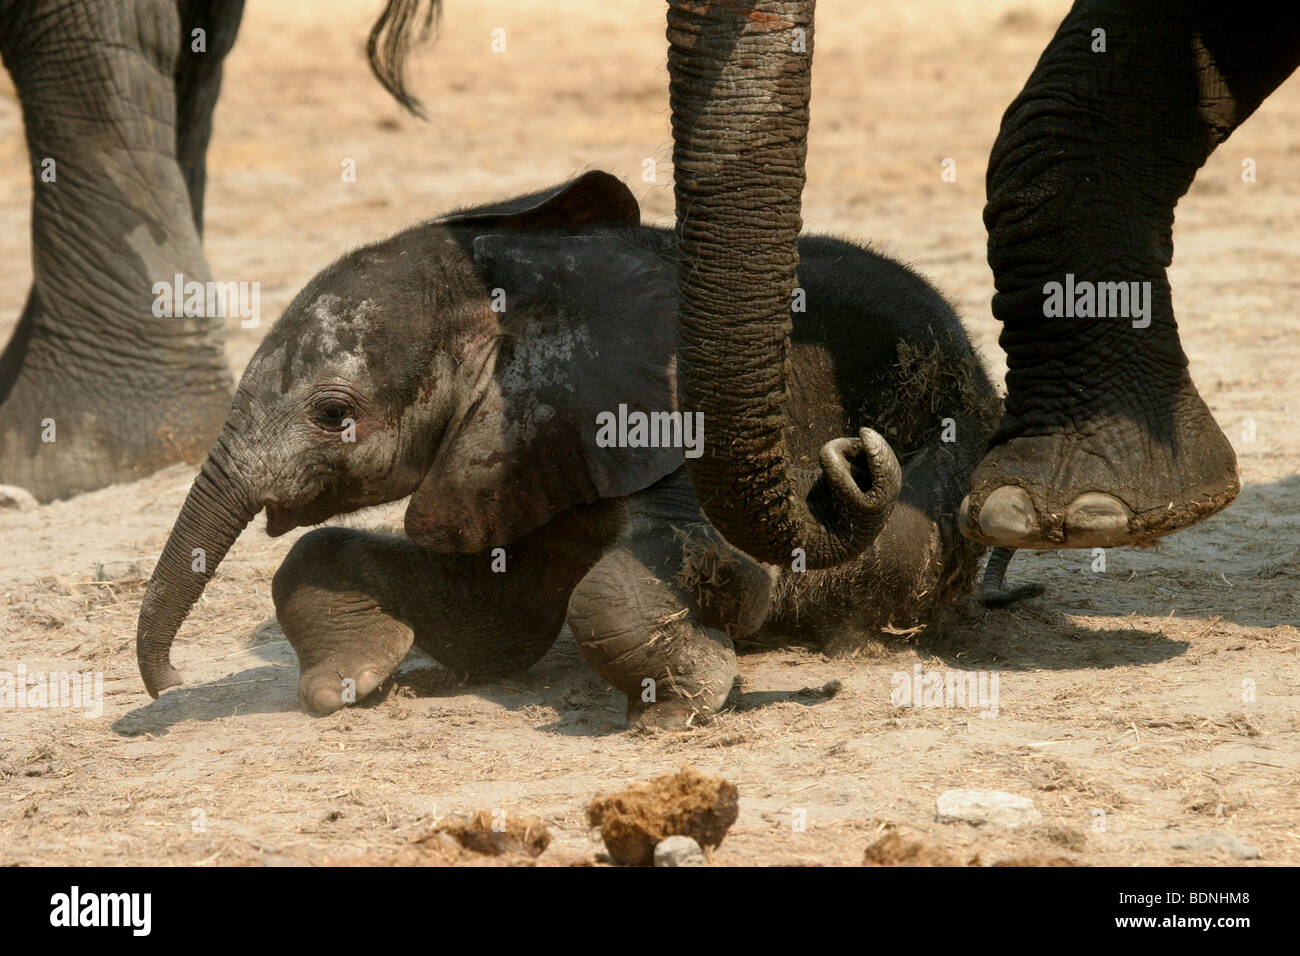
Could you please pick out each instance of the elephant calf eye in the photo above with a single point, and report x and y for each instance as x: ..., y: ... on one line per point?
x: 332, y: 414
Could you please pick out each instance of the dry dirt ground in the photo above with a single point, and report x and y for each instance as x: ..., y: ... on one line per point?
x: 1139, y: 706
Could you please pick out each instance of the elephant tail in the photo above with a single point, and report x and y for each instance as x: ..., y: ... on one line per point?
x: 400, y: 27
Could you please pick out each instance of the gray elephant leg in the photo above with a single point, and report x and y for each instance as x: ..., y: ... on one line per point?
x: 656, y: 616
x: 1106, y: 440
x: 117, y: 104
x: 352, y: 603
x: 198, y: 84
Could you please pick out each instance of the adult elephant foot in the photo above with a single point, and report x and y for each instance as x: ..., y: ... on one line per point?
x: 1124, y: 475
x: 1105, y: 440
x: 79, y: 413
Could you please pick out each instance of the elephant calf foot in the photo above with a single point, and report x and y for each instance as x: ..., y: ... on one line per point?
x: 347, y: 645
x: 334, y: 676
x: 1125, y: 476
x: 667, y: 714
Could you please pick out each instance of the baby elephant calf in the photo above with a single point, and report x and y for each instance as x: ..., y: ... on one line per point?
x: 512, y: 369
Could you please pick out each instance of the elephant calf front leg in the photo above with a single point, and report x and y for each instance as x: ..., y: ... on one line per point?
x: 330, y: 604
x: 352, y: 603
x: 636, y: 630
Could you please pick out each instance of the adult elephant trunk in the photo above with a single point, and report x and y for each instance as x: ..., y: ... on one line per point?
x: 219, y: 506
x: 739, y: 88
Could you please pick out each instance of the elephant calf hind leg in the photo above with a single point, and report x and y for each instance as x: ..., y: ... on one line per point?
x: 639, y: 634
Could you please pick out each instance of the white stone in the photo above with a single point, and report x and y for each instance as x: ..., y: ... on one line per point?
x: 678, y: 851
x: 986, y: 806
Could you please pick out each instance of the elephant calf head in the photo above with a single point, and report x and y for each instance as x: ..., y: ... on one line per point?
x: 462, y: 362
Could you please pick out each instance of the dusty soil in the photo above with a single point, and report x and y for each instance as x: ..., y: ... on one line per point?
x: 1140, y: 705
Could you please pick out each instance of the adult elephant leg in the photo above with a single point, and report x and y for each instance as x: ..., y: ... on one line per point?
x: 198, y: 84
x: 352, y: 603
x: 739, y: 82
x: 94, y: 388
x: 1105, y: 440
x: 656, y: 616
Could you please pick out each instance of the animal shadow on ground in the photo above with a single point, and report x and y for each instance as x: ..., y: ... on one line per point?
x: 1034, y: 636
x: 214, y: 700
x: 268, y: 689
x: 560, y: 685
x: 561, y: 682
x: 1031, y: 637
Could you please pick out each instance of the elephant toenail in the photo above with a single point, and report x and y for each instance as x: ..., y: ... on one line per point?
x: 964, y: 521
x: 1008, y: 515
x: 321, y: 700
x: 368, y: 681
x: 1094, y: 515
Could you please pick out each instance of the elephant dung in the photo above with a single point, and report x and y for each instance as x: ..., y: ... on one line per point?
x: 500, y: 834
x: 686, y: 803
x: 893, y: 849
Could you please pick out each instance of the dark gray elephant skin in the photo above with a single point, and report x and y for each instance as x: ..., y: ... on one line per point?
x: 1105, y: 440
x: 467, y: 363
x: 117, y: 99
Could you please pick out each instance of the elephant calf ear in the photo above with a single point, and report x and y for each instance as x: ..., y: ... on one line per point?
x: 593, y: 199
x: 589, y: 325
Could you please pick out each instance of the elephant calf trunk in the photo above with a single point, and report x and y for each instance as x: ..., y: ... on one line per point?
x: 216, y: 510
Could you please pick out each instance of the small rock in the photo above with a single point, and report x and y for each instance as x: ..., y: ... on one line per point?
x: 986, y: 806
x: 13, y: 498
x: 678, y: 851
x: 1209, y: 842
